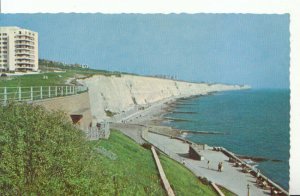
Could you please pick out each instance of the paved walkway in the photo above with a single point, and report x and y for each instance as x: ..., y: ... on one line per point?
x: 131, y: 130
x: 231, y: 177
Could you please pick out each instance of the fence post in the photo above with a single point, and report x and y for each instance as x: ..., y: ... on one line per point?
x: 20, y: 94
x: 5, y: 95
x: 41, y: 89
x: 49, y: 90
x: 66, y: 90
x: 62, y: 90
x: 55, y: 91
x: 31, y: 93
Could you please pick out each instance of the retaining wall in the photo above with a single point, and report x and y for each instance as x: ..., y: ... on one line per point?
x: 72, y: 105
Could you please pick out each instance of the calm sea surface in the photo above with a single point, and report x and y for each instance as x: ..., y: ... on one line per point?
x: 257, y: 122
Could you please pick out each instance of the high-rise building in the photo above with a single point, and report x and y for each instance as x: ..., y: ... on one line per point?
x: 18, y: 49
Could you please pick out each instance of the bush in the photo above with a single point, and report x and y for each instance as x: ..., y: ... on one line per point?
x: 110, y: 113
x: 42, y: 152
x: 147, y: 146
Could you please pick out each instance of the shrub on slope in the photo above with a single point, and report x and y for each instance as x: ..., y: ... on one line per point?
x: 41, y: 152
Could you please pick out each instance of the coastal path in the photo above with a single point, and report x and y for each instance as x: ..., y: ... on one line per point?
x: 231, y: 177
x: 131, y: 130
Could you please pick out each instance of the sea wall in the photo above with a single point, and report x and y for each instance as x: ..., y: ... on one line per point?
x: 72, y: 105
x: 114, y: 95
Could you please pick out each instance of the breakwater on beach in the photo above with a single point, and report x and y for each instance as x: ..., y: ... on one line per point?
x: 257, y: 122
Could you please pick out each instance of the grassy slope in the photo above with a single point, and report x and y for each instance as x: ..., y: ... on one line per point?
x: 58, y: 78
x: 182, y: 180
x: 37, y: 80
x: 134, y: 169
x: 136, y: 172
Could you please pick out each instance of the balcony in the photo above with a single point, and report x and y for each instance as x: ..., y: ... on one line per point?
x: 27, y: 56
x: 24, y: 61
x: 24, y: 68
x: 24, y: 47
x: 24, y: 37
x: 22, y: 51
x: 22, y: 65
x: 24, y: 43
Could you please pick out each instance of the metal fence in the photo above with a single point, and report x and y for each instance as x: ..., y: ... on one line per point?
x: 33, y: 93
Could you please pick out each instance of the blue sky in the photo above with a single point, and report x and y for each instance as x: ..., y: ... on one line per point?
x: 227, y: 48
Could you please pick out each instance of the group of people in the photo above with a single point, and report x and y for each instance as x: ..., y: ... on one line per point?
x: 220, y: 166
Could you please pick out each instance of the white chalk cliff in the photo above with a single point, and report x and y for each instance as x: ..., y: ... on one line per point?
x: 121, y: 94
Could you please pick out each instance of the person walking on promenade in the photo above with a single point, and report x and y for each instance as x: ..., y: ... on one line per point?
x: 219, y: 167
x: 208, y: 164
x: 258, y: 173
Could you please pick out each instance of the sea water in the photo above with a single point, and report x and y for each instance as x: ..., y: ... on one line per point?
x: 256, y: 123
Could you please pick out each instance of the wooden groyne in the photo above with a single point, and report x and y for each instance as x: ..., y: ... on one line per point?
x: 203, y: 132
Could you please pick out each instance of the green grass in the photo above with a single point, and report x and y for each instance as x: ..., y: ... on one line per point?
x: 54, y: 79
x: 43, y: 154
x: 136, y: 173
x: 36, y: 80
x: 183, y: 181
x: 134, y: 169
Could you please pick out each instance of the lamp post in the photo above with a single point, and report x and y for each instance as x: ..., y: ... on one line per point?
x: 248, y: 187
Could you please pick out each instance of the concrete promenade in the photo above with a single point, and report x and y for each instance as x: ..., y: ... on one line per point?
x: 231, y: 177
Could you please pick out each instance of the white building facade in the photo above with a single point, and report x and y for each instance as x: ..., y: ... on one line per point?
x: 18, y: 49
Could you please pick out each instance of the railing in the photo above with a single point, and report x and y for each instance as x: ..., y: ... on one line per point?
x: 232, y: 155
x: 33, y: 93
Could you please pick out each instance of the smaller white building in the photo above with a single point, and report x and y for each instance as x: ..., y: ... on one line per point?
x: 18, y: 49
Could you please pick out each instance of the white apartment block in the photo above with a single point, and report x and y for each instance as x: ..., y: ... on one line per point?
x: 18, y: 49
